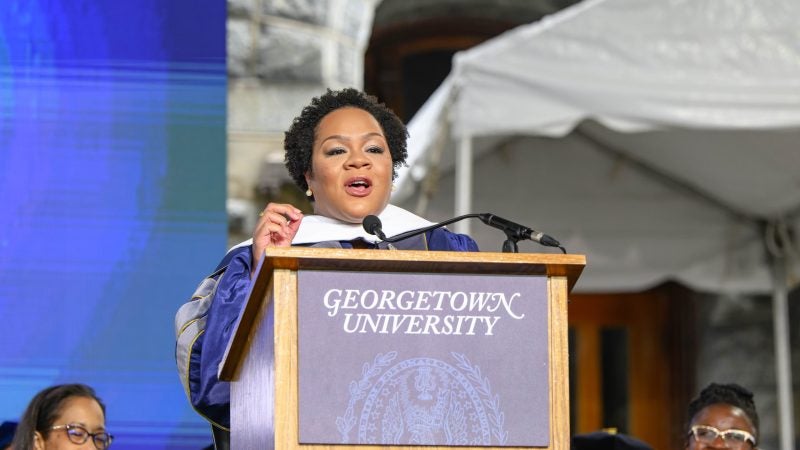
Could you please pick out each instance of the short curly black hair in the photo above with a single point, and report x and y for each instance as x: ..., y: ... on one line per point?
x: 299, y: 140
x: 729, y: 394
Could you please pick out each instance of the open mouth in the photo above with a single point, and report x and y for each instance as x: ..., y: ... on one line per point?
x: 358, y: 186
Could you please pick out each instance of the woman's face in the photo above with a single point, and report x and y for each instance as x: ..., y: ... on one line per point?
x: 82, y: 411
x: 351, y: 166
x: 723, y: 417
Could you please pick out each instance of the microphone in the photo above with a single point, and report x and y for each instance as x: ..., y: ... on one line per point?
x: 516, y: 231
x: 372, y: 225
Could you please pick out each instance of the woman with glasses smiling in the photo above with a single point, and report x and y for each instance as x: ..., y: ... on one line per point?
x: 63, y: 417
x: 723, y: 416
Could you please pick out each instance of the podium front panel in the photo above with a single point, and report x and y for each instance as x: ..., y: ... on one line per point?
x: 423, y: 359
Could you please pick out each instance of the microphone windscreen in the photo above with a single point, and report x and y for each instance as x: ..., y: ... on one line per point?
x: 371, y: 224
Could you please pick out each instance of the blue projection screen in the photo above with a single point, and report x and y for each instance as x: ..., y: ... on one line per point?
x: 112, y: 157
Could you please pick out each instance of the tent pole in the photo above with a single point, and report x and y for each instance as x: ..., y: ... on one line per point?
x: 463, y: 194
x: 783, y: 368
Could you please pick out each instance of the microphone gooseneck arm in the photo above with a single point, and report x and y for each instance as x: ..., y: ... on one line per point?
x: 408, y: 234
x: 514, y: 231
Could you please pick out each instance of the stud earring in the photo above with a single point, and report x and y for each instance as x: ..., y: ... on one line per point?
x: 309, y: 193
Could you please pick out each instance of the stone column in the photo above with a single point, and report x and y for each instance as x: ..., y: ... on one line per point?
x: 281, y: 53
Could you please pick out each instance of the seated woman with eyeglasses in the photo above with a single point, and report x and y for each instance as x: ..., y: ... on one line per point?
x: 63, y: 417
x: 723, y: 416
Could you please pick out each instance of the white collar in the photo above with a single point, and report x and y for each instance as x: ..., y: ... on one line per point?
x: 394, y: 220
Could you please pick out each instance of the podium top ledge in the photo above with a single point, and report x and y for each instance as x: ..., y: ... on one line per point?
x: 306, y: 258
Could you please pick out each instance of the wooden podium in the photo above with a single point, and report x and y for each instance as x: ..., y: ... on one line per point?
x: 261, y: 360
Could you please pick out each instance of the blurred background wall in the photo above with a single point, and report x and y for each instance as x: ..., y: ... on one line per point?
x: 112, y: 155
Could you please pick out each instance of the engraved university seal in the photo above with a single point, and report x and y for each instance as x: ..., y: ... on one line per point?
x: 422, y: 401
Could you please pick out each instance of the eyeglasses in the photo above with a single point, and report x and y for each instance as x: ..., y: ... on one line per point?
x: 79, y: 435
x: 733, y: 438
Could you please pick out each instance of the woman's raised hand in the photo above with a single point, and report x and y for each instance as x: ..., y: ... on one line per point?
x: 276, y: 227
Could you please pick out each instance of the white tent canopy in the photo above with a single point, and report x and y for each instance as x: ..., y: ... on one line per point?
x: 704, y: 93
x: 661, y: 138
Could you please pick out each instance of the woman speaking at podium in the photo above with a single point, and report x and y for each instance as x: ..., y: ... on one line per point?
x: 343, y: 151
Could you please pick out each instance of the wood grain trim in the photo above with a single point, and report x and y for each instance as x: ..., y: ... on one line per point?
x: 286, y: 372
x: 297, y: 258
x: 235, y: 351
x: 559, y: 364
x: 251, y: 426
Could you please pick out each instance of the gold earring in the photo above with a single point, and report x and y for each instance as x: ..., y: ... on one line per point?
x: 309, y: 193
